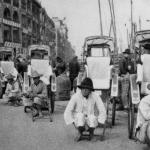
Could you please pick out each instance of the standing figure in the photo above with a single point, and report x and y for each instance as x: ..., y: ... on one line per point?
x: 80, y: 110
x: 126, y: 68
x: 74, y: 69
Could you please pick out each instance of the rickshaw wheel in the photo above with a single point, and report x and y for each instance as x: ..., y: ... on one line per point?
x: 131, y: 115
x: 113, y: 111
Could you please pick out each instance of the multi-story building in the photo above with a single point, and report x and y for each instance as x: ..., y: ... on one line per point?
x: 47, y: 31
x: 23, y: 22
x: 63, y: 47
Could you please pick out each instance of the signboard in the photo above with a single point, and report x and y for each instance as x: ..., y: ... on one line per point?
x: 25, y: 83
x: 114, y: 86
x: 135, y: 94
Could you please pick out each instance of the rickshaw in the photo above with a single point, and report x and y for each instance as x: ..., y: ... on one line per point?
x: 97, y: 51
x: 7, y: 66
x: 143, y: 77
x: 39, y: 61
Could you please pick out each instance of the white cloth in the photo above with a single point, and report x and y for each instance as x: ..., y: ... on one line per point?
x: 139, y: 73
x: 46, y: 75
x: 81, y: 120
x: 40, y: 66
x: 7, y: 66
x: 143, y: 111
x: 46, y: 71
x: 78, y: 104
x: 143, y: 117
x: 146, y: 69
x: 99, y: 70
x: 143, y: 71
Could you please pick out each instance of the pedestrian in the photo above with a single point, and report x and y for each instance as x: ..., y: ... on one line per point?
x: 59, y: 62
x: 21, y: 65
x: 80, y: 110
x: 63, y: 84
x: 74, y: 69
x: 12, y: 92
x: 143, y: 120
x: 126, y: 66
x: 37, y: 93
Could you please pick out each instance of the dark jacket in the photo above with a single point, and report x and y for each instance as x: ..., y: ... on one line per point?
x: 126, y: 65
x: 74, y: 69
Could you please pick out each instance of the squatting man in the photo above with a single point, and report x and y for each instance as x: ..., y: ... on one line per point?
x: 80, y: 110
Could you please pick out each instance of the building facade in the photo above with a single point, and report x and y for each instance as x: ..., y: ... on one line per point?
x: 22, y: 23
x: 63, y: 47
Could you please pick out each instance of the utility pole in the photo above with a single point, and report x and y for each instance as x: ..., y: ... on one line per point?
x: 56, y: 39
x: 131, y: 46
x: 113, y: 22
x: 140, y: 23
x: 100, y: 17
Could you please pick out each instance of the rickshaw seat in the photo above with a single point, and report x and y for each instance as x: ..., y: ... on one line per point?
x: 146, y: 68
x: 40, y: 66
x: 7, y: 67
x: 98, y: 69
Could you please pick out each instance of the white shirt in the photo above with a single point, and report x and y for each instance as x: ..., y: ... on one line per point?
x: 78, y: 104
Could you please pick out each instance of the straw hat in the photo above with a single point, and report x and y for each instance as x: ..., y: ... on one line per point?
x: 35, y: 74
x: 10, y: 76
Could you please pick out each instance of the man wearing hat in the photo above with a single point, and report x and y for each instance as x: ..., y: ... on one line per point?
x: 37, y: 93
x: 126, y: 66
x: 12, y: 92
x: 80, y: 110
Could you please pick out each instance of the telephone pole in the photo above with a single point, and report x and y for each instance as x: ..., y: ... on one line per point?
x: 100, y: 17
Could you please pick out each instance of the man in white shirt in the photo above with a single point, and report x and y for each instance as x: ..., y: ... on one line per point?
x: 80, y: 110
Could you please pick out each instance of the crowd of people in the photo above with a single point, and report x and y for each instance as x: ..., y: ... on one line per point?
x: 80, y: 110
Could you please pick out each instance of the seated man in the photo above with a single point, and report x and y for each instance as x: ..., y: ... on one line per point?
x: 143, y: 120
x: 37, y: 93
x: 81, y: 109
x: 12, y: 92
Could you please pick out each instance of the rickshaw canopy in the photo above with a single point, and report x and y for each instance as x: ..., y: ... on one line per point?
x: 99, y: 41
x: 40, y: 51
x: 142, y: 38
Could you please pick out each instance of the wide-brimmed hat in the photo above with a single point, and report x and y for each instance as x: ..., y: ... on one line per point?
x: 86, y: 84
x: 10, y: 76
x: 35, y: 74
x: 146, y: 46
x: 127, y: 51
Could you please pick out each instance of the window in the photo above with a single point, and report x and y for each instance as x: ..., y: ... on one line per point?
x: 39, y: 54
x: 23, y: 4
x: 34, y: 27
x: 15, y: 17
x: 7, y: 33
x: 7, y: 1
x: 99, y: 52
x: 16, y: 37
x: 16, y: 3
x: 24, y: 21
x: 7, y: 14
x: 24, y: 40
x: 29, y: 22
x: 29, y: 5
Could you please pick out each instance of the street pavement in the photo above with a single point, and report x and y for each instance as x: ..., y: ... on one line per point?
x: 18, y: 132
